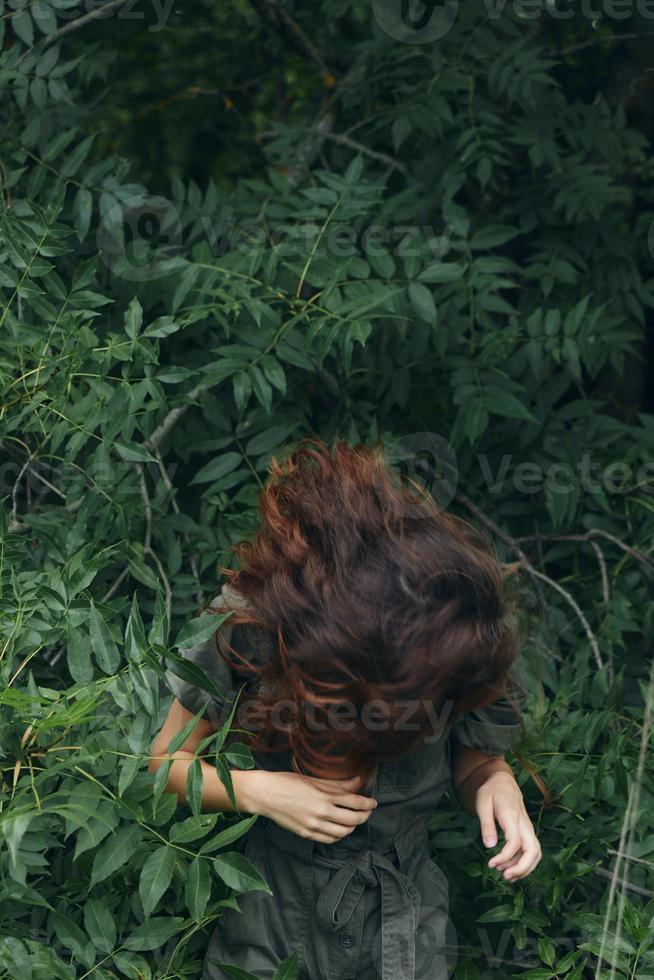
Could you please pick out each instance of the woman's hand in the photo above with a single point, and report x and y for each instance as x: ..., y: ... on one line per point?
x: 499, y: 799
x: 323, y: 810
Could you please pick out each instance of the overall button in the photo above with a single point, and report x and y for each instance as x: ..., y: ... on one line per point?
x: 346, y: 940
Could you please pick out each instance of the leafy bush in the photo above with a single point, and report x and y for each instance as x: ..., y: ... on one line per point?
x: 437, y: 244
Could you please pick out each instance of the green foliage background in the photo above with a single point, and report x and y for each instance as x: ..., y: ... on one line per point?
x: 261, y: 220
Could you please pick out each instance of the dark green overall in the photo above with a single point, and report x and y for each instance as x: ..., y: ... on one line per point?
x: 373, y: 906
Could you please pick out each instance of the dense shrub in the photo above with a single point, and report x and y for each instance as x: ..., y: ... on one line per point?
x: 441, y: 244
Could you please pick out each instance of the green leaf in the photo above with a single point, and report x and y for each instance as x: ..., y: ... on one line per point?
x: 261, y: 387
x: 163, y: 326
x: 69, y: 934
x: 133, y: 318
x: 240, y: 755
x: 23, y: 27
x: 229, y: 835
x: 198, y: 888
x: 218, y: 468
x: 143, y: 573
x: 242, y: 386
x: 189, y: 671
x: 156, y: 875
x: 115, y: 852
x: 288, y: 970
x: 154, y: 933
x: 442, y: 272
x: 178, y: 740
x: 193, y: 828
x: 78, y: 655
x: 194, y: 786
x: 133, y: 452
x: 199, y: 629
x: 239, y: 873
x: 268, y: 440
x: 82, y: 209
x: 493, y: 236
x: 504, y: 403
x: 102, y: 642
x: 274, y: 372
x: 499, y: 913
x: 135, y: 640
x: 235, y: 972
x: 100, y: 924
x: 423, y: 302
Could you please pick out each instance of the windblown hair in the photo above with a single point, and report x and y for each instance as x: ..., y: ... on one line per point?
x: 371, y: 593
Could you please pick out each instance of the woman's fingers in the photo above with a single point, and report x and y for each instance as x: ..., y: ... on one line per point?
x: 511, y: 828
x: 346, y: 816
x: 531, y: 855
x: 522, y: 863
x: 354, y: 802
x: 486, y: 815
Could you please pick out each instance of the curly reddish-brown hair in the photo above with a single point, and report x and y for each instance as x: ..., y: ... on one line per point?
x: 370, y: 593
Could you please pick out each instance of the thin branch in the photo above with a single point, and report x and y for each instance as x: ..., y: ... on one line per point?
x: 513, y: 543
x: 145, y: 496
x: 96, y: 14
x: 601, y: 560
x: 634, y: 36
x: 630, y: 857
x: 362, y: 148
x: 173, y: 416
x: 114, y: 588
x: 627, y: 829
x: 276, y: 15
x: 595, y: 532
x: 303, y: 38
x: 193, y: 559
x: 575, y: 605
x: 624, y: 883
x: 147, y: 543
x: 14, y: 491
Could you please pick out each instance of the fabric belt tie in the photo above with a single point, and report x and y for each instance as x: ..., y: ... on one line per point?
x: 400, y: 907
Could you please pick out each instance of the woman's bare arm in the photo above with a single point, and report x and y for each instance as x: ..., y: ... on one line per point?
x: 321, y: 809
x: 214, y: 794
x: 470, y: 769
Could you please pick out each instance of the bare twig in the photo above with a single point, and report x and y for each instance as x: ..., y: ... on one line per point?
x: 303, y: 38
x: 96, y: 14
x: 173, y: 416
x: 629, y: 823
x: 278, y: 16
x: 365, y: 150
x: 595, y: 532
x: 515, y: 546
x: 624, y: 883
x: 512, y: 543
x: 630, y: 857
x: 601, y: 560
x: 114, y: 588
x: 147, y: 542
x: 575, y: 605
x: 609, y: 39
x: 193, y: 559
x: 14, y: 491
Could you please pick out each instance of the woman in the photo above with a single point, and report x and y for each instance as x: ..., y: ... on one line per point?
x: 375, y: 662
